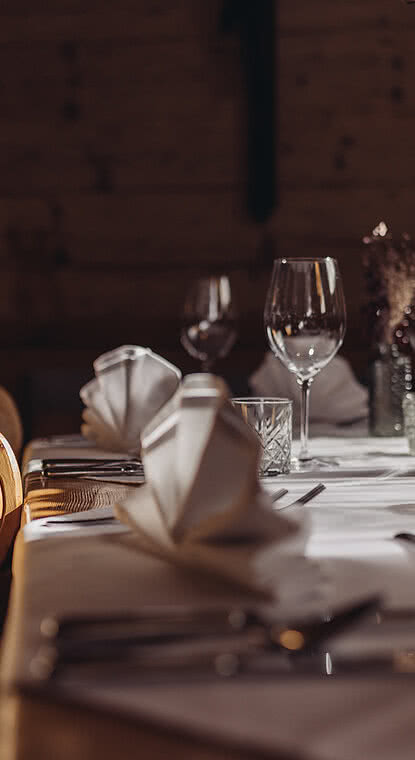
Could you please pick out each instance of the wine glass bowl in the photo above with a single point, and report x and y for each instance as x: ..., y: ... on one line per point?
x: 209, y: 324
x: 305, y: 322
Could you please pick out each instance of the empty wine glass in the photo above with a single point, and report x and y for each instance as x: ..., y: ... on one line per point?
x: 209, y: 320
x: 305, y: 323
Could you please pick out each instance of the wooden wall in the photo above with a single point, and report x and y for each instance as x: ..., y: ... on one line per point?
x: 123, y: 172
x: 347, y: 121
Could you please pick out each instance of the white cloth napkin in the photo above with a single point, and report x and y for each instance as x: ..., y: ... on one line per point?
x: 202, y: 506
x: 336, y: 396
x: 131, y: 384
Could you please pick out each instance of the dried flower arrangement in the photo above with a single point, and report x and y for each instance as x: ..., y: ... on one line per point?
x: 389, y: 268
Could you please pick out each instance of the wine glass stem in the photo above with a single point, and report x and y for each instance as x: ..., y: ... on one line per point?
x: 207, y: 365
x: 305, y: 406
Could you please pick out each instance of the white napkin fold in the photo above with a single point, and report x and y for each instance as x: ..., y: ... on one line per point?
x: 131, y: 385
x: 336, y: 396
x: 202, y: 506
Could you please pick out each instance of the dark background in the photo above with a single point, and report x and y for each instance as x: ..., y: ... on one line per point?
x: 125, y: 155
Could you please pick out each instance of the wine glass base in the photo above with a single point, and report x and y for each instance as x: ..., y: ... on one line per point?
x: 314, y: 463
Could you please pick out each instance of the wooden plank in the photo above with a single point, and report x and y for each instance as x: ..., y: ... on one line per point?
x: 180, y: 226
x: 111, y: 296
x: 349, y: 15
x: 10, y: 307
x: 158, y: 160
x: 95, y: 97
x: 118, y: 61
x: 350, y: 151
x: 139, y: 230
x: 91, y: 112
x: 107, y: 309
x: 199, y: 143
x: 47, y: 20
x: 84, y: 309
x: 352, y: 93
x: 74, y: 20
x: 119, y: 68
x: 142, y: 231
x: 351, y: 212
x: 339, y: 75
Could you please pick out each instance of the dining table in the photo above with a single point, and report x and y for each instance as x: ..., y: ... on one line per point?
x: 354, y: 699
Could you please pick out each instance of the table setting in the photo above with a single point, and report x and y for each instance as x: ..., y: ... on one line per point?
x: 345, y: 558
x: 185, y: 561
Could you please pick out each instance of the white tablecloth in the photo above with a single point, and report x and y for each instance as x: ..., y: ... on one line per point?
x: 369, y: 497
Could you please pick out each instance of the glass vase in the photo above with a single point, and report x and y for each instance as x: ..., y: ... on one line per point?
x: 391, y: 379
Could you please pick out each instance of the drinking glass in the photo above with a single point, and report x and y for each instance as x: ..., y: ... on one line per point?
x: 209, y: 320
x: 271, y: 420
x: 305, y: 323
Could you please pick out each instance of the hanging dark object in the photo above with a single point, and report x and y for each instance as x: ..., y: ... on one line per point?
x: 255, y: 20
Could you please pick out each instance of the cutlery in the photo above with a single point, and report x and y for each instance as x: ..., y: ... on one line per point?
x: 305, y: 498
x: 195, y: 666
x: 85, y: 521
x: 221, y: 653
x: 79, y: 473
x: 406, y: 537
x: 278, y: 494
x: 69, y: 467
x: 108, y: 519
x: 90, y: 464
x: 64, y: 462
x: 95, y: 637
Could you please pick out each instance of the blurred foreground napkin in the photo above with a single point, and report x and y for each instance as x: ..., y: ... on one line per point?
x: 131, y: 385
x: 202, y: 506
x: 336, y: 396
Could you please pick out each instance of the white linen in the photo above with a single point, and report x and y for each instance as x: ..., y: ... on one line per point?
x: 336, y: 397
x: 78, y: 448
x: 202, y: 506
x: 352, y: 528
x: 311, y: 719
x: 83, y: 523
x: 131, y: 384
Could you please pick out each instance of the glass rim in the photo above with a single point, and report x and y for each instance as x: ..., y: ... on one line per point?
x: 262, y: 400
x: 299, y: 259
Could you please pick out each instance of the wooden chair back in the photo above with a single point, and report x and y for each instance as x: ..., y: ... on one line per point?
x: 11, y: 497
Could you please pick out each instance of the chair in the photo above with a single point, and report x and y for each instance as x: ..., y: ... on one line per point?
x: 11, y: 499
x: 10, y: 423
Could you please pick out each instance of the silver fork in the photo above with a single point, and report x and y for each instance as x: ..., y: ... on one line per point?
x: 305, y: 498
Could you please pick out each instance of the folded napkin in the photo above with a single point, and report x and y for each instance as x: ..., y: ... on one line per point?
x: 336, y: 396
x: 202, y: 506
x: 131, y: 384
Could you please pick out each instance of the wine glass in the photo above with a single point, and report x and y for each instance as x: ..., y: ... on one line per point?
x: 209, y: 320
x: 305, y: 323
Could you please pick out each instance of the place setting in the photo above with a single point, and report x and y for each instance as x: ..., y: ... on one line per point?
x: 207, y: 389
x: 211, y: 547
x: 210, y: 552
x: 155, y: 466
x: 204, y: 513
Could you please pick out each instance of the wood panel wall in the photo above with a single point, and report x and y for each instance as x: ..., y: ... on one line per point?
x: 347, y: 127
x: 123, y: 171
